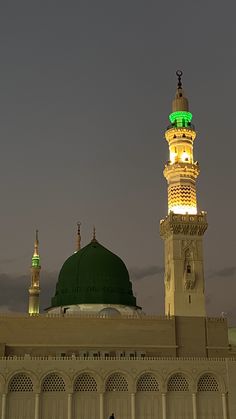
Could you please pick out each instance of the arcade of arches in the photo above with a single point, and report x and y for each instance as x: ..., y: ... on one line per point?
x: 86, y: 397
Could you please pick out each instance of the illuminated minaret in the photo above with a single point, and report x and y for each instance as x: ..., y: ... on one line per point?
x: 183, y: 229
x: 34, y: 289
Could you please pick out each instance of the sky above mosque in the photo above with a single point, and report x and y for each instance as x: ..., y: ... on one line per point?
x: 86, y: 90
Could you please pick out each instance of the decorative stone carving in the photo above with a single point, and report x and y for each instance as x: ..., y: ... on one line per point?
x: 193, y: 225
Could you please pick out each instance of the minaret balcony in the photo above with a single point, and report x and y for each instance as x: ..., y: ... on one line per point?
x: 174, y: 133
x: 181, y: 170
x: 184, y: 224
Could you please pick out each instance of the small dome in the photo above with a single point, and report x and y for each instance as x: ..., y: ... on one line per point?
x: 93, y: 275
x: 109, y: 312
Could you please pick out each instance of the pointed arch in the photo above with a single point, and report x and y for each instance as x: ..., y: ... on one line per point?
x: 116, y: 382
x: 178, y: 382
x: 21, y: 395
x: 147, y: 382
x: 20, y: 382
x: 53, y: 382
x: 85, y: 382
x: 207, y: 382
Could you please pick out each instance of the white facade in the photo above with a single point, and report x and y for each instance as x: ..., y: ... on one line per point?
x: 74, y: 388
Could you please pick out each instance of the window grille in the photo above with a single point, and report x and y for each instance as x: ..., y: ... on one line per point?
x: 85, y: 382
x: 207, y: 383
x: 53, y: 382
x: 178, y: 382
x: 147, y: 382
x: 116, y: 382
x: 20, y: 382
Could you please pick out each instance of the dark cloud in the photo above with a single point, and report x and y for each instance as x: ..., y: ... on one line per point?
x: 141, y: 273
x: 222, y: 273
x: 14, y: 291
x: 148, y: 285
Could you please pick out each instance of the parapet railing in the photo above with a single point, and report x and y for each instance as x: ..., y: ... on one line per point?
x: 112, y: 358
x: 138, y: 316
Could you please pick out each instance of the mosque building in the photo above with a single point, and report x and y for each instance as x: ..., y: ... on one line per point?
x: 94, y: 352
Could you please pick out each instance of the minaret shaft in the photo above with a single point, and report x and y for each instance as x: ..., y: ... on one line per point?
x: 184, y: 227
x: 184, y: 264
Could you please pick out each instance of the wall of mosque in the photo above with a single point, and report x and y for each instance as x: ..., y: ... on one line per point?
x: 152, y: 336
x: 74, y: 388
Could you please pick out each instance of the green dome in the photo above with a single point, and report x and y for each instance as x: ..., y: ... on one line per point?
x: 93, y: 275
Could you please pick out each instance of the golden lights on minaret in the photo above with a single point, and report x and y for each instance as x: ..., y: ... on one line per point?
x: 181, y: 171
x: 34, y: 290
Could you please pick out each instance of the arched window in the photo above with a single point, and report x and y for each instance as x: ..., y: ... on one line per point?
x: 147, y: 382
x: 178, y: 382
x: 53, y: 382
x: 116, y: 382
x: 85, y: 382
x: 20, y: 382
x: 207, y: 382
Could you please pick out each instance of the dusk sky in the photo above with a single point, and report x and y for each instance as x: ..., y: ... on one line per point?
x: 85, y: 93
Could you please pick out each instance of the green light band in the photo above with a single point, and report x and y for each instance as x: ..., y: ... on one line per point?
x: 181, y: 118
x: 35, y: 262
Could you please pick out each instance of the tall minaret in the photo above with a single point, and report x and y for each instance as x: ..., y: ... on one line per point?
x: 34, y: 289
x: 183, y: 228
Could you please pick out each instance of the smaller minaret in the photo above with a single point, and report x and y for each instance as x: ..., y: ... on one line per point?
x: 34, y: 289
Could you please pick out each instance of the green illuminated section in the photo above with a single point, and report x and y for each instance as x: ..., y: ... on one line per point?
x: 181, y: 118
x: 35, y: 262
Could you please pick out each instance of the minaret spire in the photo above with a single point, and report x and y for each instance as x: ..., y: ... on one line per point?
x: 34, y: 289
x: 179, y: 74
x: 94, y: 239
x: 78, y: 236
x: 183, y: 228
x: 36, y: 244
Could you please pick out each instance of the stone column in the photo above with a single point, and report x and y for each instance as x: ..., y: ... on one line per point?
x: 101, y: 405
x: 132, y: 405
x: 163, y: 400
x: 4, y: 405
x: 194, y: 401
x: 224, y: 405
x: 69, y: 406
x: 36, y: 406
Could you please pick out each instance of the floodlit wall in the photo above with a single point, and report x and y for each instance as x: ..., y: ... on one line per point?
x: 154, y: 336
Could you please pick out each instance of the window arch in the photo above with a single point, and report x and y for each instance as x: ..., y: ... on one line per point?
x: 20, y: 383
x: 85, y: 382
x: 178, y: 382
x: 207, y: 382
x: 53, y: 382
x: 147, y: 382
x: 116, y: 382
